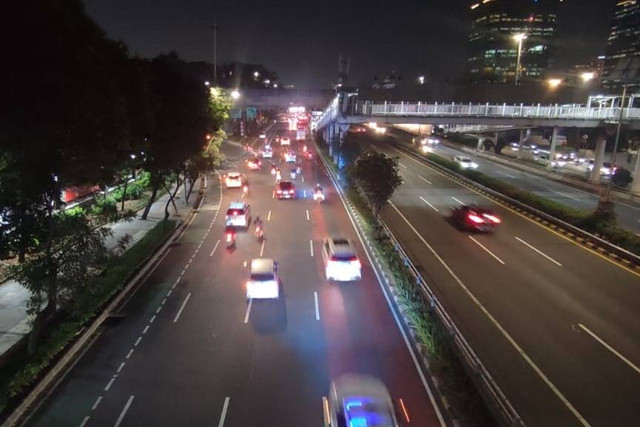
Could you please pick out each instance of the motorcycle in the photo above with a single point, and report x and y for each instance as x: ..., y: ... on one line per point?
x: 245, y: 191
x: 293, y: 174
x: 318, y: 196
x: 273, y: 170
x: 231, y: 239
x: 259, y: 233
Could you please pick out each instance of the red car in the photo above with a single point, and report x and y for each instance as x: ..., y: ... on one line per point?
x: 254, y: 164
x: 474, y: 218
x: 285, y: 190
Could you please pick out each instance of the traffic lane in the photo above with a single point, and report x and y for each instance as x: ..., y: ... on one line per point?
x: 74, y: 396
x: 362, y: 335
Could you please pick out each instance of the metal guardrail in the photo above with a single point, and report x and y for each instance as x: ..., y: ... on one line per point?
x: 500, y: 404
x: 630, y: 258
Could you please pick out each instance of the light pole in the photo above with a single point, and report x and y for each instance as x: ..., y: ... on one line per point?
x: 215, y: 53
x: 519, y: 37
x: 606, y: 199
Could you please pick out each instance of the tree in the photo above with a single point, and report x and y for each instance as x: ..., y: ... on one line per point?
x: 378, y: 177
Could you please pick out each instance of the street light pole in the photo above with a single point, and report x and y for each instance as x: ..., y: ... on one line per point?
x: 519, y: 38
x: 607, y: 191
x: 215, y: 53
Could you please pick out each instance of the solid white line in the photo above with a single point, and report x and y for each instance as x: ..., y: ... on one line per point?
x: 457, y: 200
x: 497, y: 324
x: 129, y: 354
x: 307, y: 214
x: 487, y: 250
x: 311, y: 247
x: 315, y: 298
x: 262, y: 248
x: 146, y: 328
x: 215, y: 247
x: 120, y: 367
x: 424, y: 179
x: 540, y: 252
x: 175, y: 319
x: 611, y: 349
x: 84, y: 422
x: 138, y: 341
x: 432, y: 207
x: 109, y: 383
x: 224, y: 411
x: 269, y: 216
x: 124, y: 412
x: 95, y: 405
x: 246, y: 316
x: 403, y: 165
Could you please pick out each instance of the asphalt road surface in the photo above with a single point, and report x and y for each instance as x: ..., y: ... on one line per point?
x: 192, y: 351
x: 556, y: 324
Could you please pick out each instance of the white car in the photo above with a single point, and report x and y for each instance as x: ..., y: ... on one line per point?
x: 360, y: 400
x: 465, y: 162
x: 238, y: 214
x: 266, y: 152
x: 290, y: 157
x: 262, y: 135
x: 340, y: 260
x: 263, y: 280
x: 233, y: 180
x: 430, y: 141
x: 285, y: 140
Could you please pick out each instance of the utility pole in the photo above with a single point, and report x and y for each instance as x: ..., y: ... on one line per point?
x: 215, y: 28
x: 607, y: 193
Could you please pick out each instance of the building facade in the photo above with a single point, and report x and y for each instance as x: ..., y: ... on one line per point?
x: 493, y: 46
x: 622, y: 55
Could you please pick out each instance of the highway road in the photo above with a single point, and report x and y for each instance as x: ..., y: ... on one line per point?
x: 627, y: 213
x: 555, y: 324
x: 191, y: 350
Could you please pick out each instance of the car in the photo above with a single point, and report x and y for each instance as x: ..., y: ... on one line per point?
x: 474, y: 218
x: 465, y: 162
x: 340, y: 260
x: 266, y: 152
x: 238, y: 214
x: 285, y: 190
x: 285, y: 140
x: 262, y: 135
x: 430, y: 141
x: 234, y: 180
x: 254, y: 164
x: 289, y: 156
x: 360, y: 400
x: 263, y: 282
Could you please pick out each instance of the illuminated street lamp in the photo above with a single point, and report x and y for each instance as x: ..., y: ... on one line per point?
x: 235, y: 94
x: 554, y: 83
x: 421, y: 80
x: 519, y: 37
x: 586, y: 76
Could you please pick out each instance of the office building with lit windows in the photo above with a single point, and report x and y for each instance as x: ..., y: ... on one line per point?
x: 622, y: 54
x: 493, y: 43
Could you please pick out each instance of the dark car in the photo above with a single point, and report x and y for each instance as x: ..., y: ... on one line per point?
x: 474, y: 218
x: 285, y: 190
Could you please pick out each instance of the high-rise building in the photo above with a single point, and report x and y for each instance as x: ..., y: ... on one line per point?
x: 622, y: 55
x: 493, y: 41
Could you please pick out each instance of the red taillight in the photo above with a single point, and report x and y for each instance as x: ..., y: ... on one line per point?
x: 291, y: 191
x: 475, y: 218
x: 235, y: 214
x: 279, y: 191
x: 229, y: 237
x: 492, y: 218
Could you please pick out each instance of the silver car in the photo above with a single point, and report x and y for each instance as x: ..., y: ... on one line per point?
x: 360, y: 400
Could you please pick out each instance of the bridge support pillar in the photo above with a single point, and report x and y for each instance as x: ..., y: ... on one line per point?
x: 479, y: 145
x: 552, y: 151
x: 635, y: 184
x: 601, y: 143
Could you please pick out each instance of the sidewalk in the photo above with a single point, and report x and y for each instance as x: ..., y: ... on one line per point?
x: 14, y: 322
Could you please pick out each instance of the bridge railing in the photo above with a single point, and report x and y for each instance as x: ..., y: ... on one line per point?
x: 571, y: 111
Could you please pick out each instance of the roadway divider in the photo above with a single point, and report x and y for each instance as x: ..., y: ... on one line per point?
x: 593, y: 242
x: 493, y: 396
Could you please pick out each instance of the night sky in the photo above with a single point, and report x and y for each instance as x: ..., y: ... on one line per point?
x: 301, y: 40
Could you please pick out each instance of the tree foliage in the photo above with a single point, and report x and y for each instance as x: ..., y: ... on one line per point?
x: 378, y: 177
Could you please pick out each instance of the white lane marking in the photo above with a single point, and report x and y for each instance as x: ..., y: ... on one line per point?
x: 311, y: 247
x: 424, y: 179
x: 152, y: 318
x: 215, y: 247
x: 307, y: 214
x: 402, y: 165
x: 175, y: 319
x: 109, y: 383
x: 430, y: 205
x: 158, y: 309
x: 246, y: 316
x: 303, y: 179
x: 164, y: 301
x: 169, y: 293
x: 129, y: 354
x: 457, y: 200
x: 506, y: 174
x: 84, y: 422
x: 124, y: 412
x: 487, y: 250
x: 325, y: 410
x: 223, y: 415
x: 304, y: 193
x: 540, y: 252
x: 569, y: 196
x: 95, y: 405
x: 393, y: 311
x: 269, y: 216
x: 262, y: 248
x: 404, y: 410
x: 315, y: 298
x: 146, y: 328
x: 138, y: 341
x: 120, y: 367
x: 611, y: 349
x: 497, y: 324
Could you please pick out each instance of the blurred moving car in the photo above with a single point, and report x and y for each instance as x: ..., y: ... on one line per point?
x: 233, y: 180
x: 285, y: 140
x: 360, y: 400
x: 254, y: 164
x: 262, y: 135
x: 340, y: 260
x: 474, y: 218
x: 430, y: 141
x: 290, y: 156
x: 285, y: 190
x: 465, y: 162
x: 263, y: 280
x: 238, y: 214
x: 266, y: 152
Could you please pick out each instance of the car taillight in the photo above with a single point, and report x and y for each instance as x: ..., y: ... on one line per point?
x: 475, y: 218
x: 279, y: 191
x: 291, y: 191
x: 492, y: 218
